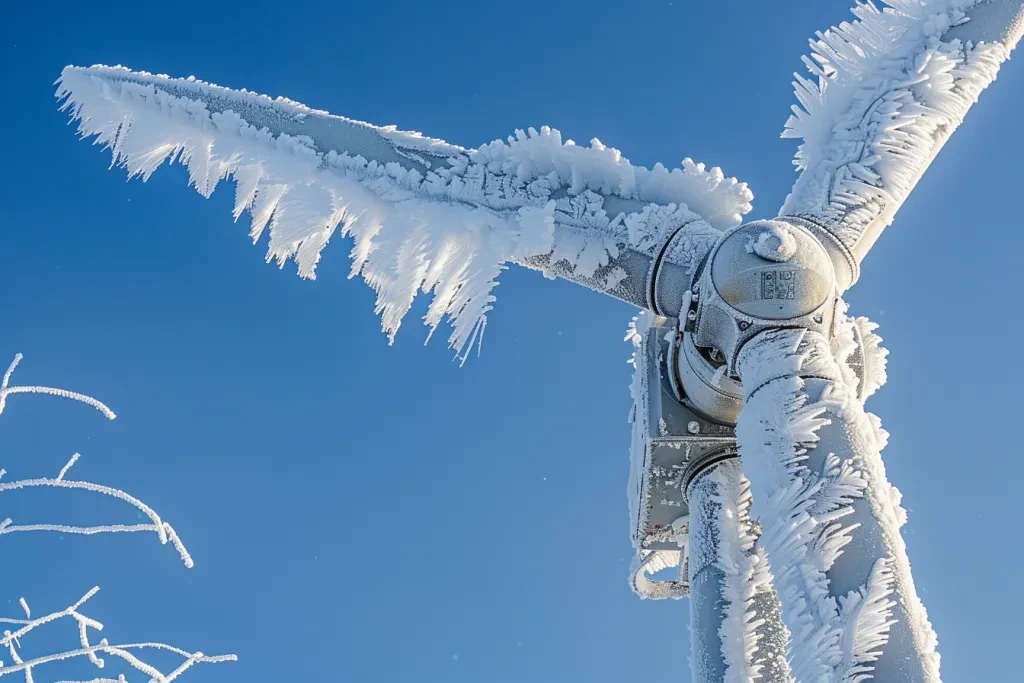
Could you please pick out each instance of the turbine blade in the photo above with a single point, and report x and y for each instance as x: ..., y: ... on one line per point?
x: 830, y: 520
x: 736, y: 631
x: 425, y: 215
x: 884, y: 94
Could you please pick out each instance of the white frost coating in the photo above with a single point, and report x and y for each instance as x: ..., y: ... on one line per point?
x: 649, y: 230
x: 636, y: 330
x: 691, y: 245
x: 637, y: 333
x: 164, y: 531
x: 529, y: 155
x: 649, y: 562
x: 746, y: 575
x: 885, y: 504
x: 446, y: 228
x: 244, y: 99
x: 454, y: 250
x: 779, y: 417
x: 859, y: 353
x: 11, y: 641
x: 845, y: 348
x: 802, y: 511
x: 885, y: 93
x: 837, y: 486
x: 874, y: 356
x: 6, y: 390
x: 641, y: 334
x: 867, y: 616
x: 129, y: 653
x: 774, y: 243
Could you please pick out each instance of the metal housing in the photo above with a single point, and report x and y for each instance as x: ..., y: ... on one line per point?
x: 761, y: 276
x: 671, y: 441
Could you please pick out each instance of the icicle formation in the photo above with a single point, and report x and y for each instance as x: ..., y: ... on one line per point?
x: 885, y: 92
x: 802, y: 511
x: 425, y: 215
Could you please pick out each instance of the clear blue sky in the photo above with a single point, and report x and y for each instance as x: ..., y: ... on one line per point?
x: 360, y: 512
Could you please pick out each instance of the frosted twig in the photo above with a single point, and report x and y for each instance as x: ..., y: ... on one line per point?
x: 12, y: 648
x: 162, y: 529
x: 165, y: 532
x: 88, y: 650
x: 122, y: 652
x: 33, y: 624
x: 6, y: 390
x: 64, y: 470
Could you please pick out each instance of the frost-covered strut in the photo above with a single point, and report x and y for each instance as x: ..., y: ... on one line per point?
x: 756, y: 472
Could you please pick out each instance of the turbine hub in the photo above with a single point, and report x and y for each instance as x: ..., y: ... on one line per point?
x: 762, y: 275
x: 768, y: 270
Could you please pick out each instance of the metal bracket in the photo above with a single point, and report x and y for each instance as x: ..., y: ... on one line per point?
x: 670, y: 439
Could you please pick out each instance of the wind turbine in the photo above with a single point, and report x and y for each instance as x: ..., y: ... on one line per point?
x: 756, y: 469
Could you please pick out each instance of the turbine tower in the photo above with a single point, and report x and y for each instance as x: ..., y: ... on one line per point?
x: 756, y: 470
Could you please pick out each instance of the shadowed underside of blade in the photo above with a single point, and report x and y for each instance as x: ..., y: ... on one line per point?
x: 425, y: 215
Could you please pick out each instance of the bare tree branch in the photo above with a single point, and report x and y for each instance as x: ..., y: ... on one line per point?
x: 128, y: 652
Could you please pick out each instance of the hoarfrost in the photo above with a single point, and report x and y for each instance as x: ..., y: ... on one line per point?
x: 885, y: 91
x: 129, y: 653
x: 802, y: 510
x: 6, y: 390
x: 874, y: 356
x: 636, y: 330
x: 867, y: 617
x: 425, y: 216
x: 649, y: 562
x: 746, y: 577
x: 637, y: 334
x: 859, y: 353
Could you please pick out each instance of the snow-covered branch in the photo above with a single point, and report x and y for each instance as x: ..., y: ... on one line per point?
x: 6, y: 390
x: 164, y: 531
x: 129, y: 653
x: 87, y: 649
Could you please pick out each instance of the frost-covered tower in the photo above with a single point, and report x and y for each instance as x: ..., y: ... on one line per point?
x: 756, y: 469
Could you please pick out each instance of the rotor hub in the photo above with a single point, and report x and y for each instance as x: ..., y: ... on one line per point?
x: 762, y: 275
x: 769, y: 270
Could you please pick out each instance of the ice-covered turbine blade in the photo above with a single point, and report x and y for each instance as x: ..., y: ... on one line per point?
x: 425, y: 215
x: 884, y: 94
x: 830, y: 520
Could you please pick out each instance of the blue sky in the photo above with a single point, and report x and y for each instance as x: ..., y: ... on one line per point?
x: 360, y: 512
